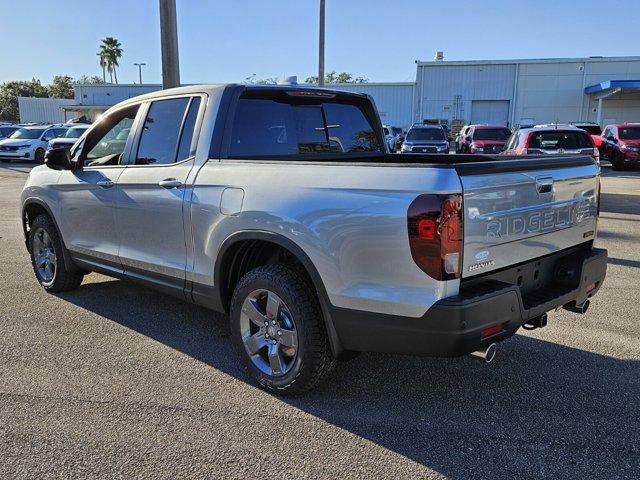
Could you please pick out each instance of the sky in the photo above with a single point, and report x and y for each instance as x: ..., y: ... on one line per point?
x: 227, y: 41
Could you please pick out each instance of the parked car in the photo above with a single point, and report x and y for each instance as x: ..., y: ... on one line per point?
x: 29, y: 143
x: 621, y: 145
x: 461, y: 138
x: 389, y: 138
x: 6, y: 130
x: 551, y: 140
x: 67, y: 140
x: 280, y: 206
x: 422, y: 138
x: 488, y: 139
x: 592, y: 129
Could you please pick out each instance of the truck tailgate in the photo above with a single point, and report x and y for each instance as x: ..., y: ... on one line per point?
x: 518, y: 210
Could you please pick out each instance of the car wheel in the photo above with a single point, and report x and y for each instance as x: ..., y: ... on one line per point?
x: 46, y: 251
x: 39, y: 156
x: 279, y: 331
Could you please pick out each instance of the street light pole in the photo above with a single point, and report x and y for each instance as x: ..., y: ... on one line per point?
x: 321, y: 47
x: 140, y: 65
x: 169, y: 44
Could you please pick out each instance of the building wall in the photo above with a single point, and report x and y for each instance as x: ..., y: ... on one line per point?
x: 538, y: 91
x: 109, y: 94
x: 45, y: 110
x: 393, y: 100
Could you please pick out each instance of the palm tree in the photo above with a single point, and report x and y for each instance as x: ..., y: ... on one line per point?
x: 103, y: 65
x: 110, y: 52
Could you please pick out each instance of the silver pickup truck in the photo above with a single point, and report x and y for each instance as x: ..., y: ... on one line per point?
x: 282, y: 207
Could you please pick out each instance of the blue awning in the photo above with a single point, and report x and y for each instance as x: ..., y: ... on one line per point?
x: 612, y: 85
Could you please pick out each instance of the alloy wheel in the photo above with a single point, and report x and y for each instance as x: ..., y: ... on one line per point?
x: 268, y: 332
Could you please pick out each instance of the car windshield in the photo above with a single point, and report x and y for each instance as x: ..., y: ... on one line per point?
x: 74, y: 132
x: 555, y: 140
x: 425, y: 134
x: 590, y: 129
x: 397, y: 130
x: 501, y: 134
x: 27, y: 133
x: 629, y: 133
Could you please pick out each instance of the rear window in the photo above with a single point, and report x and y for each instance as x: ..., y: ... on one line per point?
x: 629, y: 133
x: 591, y: 129
x: 555, y: 140
x: 501, y: 134
x: 275, y: 127
x: 426, y: 134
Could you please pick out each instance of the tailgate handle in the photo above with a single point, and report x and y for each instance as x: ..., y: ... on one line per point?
x: 544, y: 185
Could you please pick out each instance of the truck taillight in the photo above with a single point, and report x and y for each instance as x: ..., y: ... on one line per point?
x: 435, y: 235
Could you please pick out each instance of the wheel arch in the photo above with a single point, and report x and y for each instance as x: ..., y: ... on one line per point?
x: 228, y: 266
x: 31, y: 208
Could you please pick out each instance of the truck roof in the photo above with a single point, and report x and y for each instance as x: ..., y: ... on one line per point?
x: 216, y: 88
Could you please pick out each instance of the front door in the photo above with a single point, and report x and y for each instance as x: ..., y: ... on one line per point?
x: 151, y: 192
x: 87, y: 194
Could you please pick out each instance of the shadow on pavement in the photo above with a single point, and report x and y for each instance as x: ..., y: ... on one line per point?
x: 620, y: 203
x: 540, y: 410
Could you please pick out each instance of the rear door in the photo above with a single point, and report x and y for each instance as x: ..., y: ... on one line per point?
x: 151, y: 190
x: 517, y: 210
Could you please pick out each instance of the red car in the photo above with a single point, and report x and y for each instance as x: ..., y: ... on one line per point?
x: 621, y: 145
x: 487, y: 139
x: 551, y: 139
x: 592, y: 129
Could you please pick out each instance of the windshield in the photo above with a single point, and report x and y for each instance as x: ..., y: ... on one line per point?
x: 397, y: 130
x: 74, y: 132
x: 27, y: 133
x: 629, y: 133
x: 416, y: 134
x: 555, y: 140
x: 501, y: 134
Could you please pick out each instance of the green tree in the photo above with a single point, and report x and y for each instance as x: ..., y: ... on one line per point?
x: 88, y: 80
x: 10, y: 91
x: 61, y: 87
x: 109, y: 57
x: 334, y: 77
x: 252, y: 80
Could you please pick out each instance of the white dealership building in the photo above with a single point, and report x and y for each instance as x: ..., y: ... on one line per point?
x: 508, y: 92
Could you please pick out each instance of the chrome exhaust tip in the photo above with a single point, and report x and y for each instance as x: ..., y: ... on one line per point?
x: 488, y: 354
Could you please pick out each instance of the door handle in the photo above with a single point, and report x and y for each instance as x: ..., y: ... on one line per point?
x: 106, y: 183
x: 170, y: 183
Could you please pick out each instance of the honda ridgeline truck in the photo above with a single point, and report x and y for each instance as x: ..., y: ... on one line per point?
x: 282, y: 207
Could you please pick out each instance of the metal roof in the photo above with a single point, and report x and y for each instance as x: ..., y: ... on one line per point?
x: 527, y: 60
x: 612, y: 85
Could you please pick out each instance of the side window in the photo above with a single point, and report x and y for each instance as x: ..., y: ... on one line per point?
x: 161, y: 132
x: 106, y: 142
x: 48, y: 135
x: 187, y: 135
x: 59, y: 131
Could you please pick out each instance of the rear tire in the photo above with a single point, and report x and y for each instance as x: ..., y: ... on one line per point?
x: 291, y: 353
x: 47, y: 257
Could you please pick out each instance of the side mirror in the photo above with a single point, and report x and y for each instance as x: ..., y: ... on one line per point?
x: 58, y: 159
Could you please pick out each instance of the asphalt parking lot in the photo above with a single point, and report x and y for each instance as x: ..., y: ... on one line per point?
x: 114, y: 380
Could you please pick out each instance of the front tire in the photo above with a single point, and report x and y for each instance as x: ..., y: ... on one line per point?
x: 39, y: 155
x: 47, y: 259
x: 279, y: 331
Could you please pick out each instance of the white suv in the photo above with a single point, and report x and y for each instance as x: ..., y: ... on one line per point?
x: 29, y: 143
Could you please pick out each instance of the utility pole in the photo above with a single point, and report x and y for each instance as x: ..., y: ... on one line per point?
x: 169, y: 44
x: 321, y: 47
x: 140, y: 65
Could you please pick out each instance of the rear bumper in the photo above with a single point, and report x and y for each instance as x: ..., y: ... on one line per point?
x: 453, y: 326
